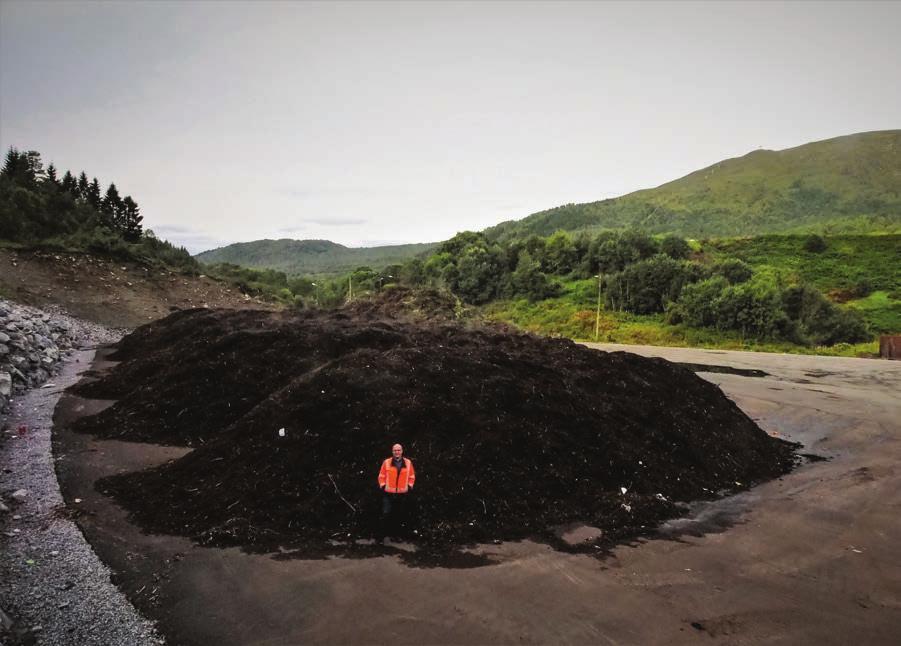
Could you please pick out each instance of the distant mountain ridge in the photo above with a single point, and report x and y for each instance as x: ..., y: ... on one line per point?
x: 849, y: 184
x: 311, y: 257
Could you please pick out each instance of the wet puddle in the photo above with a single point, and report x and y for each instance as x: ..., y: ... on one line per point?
x: 726, y: 370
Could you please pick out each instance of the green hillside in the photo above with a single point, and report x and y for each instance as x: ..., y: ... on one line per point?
x: 844, y: 264
x: 311, y: 257
x: 849, y: 184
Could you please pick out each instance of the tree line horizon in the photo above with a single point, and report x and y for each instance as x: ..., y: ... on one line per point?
x: 37, y: 207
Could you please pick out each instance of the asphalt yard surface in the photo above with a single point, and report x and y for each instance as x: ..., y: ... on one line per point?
x: 809, y: 558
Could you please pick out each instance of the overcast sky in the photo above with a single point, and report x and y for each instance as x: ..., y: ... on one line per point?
x: 377, y: 123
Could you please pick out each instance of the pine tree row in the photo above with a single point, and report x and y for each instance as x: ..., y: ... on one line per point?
x: 24, y: 170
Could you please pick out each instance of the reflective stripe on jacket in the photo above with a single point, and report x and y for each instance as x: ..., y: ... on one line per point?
x: 396, y: 480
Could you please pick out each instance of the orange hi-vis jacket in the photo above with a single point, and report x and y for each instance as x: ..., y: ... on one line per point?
x: 396, y: 480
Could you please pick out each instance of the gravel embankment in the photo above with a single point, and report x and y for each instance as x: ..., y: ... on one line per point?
x: 53, y: 588
x: 34, y: 341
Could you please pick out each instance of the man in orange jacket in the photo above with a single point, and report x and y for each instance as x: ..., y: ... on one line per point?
x: 396, y: 479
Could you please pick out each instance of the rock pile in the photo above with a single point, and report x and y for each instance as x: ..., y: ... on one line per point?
x: 32, y: 342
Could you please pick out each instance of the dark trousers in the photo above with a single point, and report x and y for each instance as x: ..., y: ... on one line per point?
x: 395, y: 511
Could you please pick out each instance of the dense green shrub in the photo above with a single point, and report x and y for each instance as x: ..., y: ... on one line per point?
x: 560, y: 256
x: 163, y: 251
x: 645, y: 287
x: 814, y: 244
x: 821, y: 322
x: 799, y: 314
x: 302, y: 286
x: 104, y: 242
x: 733, y: 270
x: 753, y: 310
x: 612, y: 251
x: 698, y: 303
x: 675, y: 247
x: 862, y: 288
x: 412, y: 273
x: 479, y: 271
x: 529, y: 281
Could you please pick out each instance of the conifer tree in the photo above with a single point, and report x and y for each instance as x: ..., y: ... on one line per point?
x: 131, y: 220
x: 51, y: 174
x: 10, y: 164
x: 83, y: 186
x: 16, y: 167
x: 94, y: 194
x: 111, y: 208
x: 70, y: 184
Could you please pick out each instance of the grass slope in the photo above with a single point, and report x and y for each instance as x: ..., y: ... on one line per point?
x: 849, y: 184
x: 311, y: 257
x: 847, y: 260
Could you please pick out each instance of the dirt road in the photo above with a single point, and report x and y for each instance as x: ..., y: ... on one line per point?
x: 810, y: 558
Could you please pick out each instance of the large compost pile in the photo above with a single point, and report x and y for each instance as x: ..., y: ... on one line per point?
x: 512, y: 435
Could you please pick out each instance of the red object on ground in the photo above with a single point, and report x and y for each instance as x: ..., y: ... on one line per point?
x: 22, y: 430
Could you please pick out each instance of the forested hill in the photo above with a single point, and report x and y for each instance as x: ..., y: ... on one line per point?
x: 311, y: 257
x: 848, y: 184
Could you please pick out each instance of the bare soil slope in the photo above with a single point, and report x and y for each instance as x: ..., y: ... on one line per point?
x: 114, y: 293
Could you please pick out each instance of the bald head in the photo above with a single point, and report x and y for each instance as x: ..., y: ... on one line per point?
x: 397, y: 450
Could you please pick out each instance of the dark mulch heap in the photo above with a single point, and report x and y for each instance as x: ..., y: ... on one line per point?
x: 511, y: 434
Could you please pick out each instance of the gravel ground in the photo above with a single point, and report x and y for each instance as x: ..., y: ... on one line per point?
x: 53, y: 588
